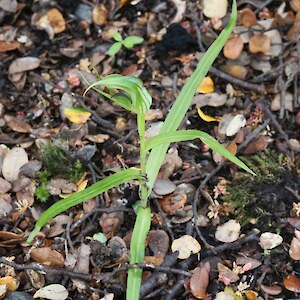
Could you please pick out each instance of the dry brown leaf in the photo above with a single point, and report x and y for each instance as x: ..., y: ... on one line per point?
x: 259, y: 43
x: 111, y: 223
x: 10, y: 282
x: 257, y: 145
x: 228, y: 232
x: 295, y: 246
x: 233, y: 48
x: 292, y: 283
x: 48, y: 257
x: 56, y: 20
x: 226, y: 275
x: 17, y: 124
x: 52, y: 292
x: 199, y: 281
x: 247, y: 17
x: 295, y: 5
x: 273, y: 290
x: 154, y: 260
x: 215, y: 8
x: 212, y: 99
x: 9, y: 46
x: 158, y: 242
x: 154, y: 114
x: 237, y: 71
x: 186, y: 245
x: 5, y: 186
x: 172, y: 203
x: 163, y: 187
x: 100, y: 14
x: 60, y: 223
x: 97, y: 138
x: 269, y: 240
x: 23, y: 64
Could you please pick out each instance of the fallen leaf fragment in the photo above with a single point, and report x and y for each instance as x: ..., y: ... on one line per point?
x: 228, y: 232
x: 10, y: 282
x: 180, y: 10
x: 247, y: 17
x: 224, y: 296
x: 100, y: 14
x: 52, y: 292
x: 206, y: 86
x: 237, y: 71
x: 205, y: 117
x: 9, y: 5
x: 269, y: 240
x: 13, y: 161
x: 215, y: 8
x: 77, y: 115
x: 295, y: 5
x: 56, y: 20
x: 292, y: 283
x: 23, y: 64
x: 259, y: 43
x: 273, y: 290
x: 233, y: 48
x: 47, y: 257
x: 158, y: 242
x: 199, y: 281
x: 109, y: 296
x: 295, y: 247
x: 17, y: 124
x: 186, y: 245
x: 9, y: 46
x: 226, y: 275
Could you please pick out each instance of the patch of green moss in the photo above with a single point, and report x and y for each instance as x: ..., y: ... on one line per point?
x: 58, y: 161
x: 262, y: 199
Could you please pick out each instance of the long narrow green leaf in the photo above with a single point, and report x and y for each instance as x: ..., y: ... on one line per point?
x: 186, y: 135
x: 87, y: 194
x: 185, y: 98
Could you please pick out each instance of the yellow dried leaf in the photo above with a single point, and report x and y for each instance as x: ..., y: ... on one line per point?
x: 205, y: 117
x: 77, y: 115
x: 100, y: 14
x: 56, y: 20
x: 206, y: 86
x: 10, y: 283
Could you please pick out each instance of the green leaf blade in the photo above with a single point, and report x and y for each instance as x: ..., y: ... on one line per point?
x: 114, y: 49
x: 131, y: 41
x: 87, y: 194
x: 117, y: 37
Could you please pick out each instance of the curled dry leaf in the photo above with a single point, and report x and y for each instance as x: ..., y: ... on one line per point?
x: 111, y: 223
x: 100, y: 14
x: 158, y: 242
x: 9, y: 46
x: 215, y: 8
x: 237, y: 71
x: 269, y: 240
x: 23, y: 64
x: 259, y: 43
x: 13, y: 161
x: 52, y: 292
x: 228, y: 232
x: 295, y: 246
x: 247, y: 17
x: 199, y: 281
x: 56, y: 20
x: 17, y: 124
x: 206, y: 86
x: 48, y: 257
x: 273, y: 290
x: 292, y: 283
x: 233, y: 48
x: 257, y: 145
x: 186, y: 245
x: 172, y: 203
x: 60, y: 223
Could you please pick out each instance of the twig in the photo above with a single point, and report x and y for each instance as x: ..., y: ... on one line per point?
x: 41, y: 268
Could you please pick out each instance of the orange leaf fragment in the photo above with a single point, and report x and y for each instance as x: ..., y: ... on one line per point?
x: 56, y: 20
x: 10, y: 283
x: 47, y: 257
x: 233, y: 48
x: 8, y: 46
x: 77, y: 115
x: 100, y: 14
x: 206, y: 86
x: 259, y: 43
x: 247, y: 17
x: 292, y: 283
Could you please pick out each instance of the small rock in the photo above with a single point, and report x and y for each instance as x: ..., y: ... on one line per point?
x: 5, y: 208
x: 164, y: 187
x: 5, y: 186
x: 288, y: 102
x: 18, y: 296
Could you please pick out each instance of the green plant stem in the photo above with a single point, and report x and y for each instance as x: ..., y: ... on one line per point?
x: 137, y: 252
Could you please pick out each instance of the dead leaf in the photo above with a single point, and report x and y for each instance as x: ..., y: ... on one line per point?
x: 163, y: 187
x: 244, y: 260
x: 272, y: 290
x: 13, y: 161
x: 5, y: 208
x: 158, y: 242
x: 199, y: 281
x: 247, y: 17
x: 172, y: 162
x: 226, y: 275
x: 212, y: 99
x: 153, y: 114
x: 56, y: 20
x: 186, y: 245
x: 292, y: 283
x: 237, y: 71
x: 52, y: 292
x: 100, y: 14
x: 205, y: 117
x: 287, y: 102
x: 259, y: 43
x: 228, y: 232
x: 257, y: 145
x: 9, y: 46
x: 23, y: 64
x: 111, y: 223
x: 206, y: 86
x: 172, y: 203
x: 77, y: 115
x: 180, y: 10
x: 269, y: 240
x: 60, y: 223
x: 97, y: 138
x: 48, y: 257
x: 295, y: 246
x: 17, y: 124
x: 10, y: 282
x: 233, y: 48
x: 215, y: 8
x: 295, y: 5
x: 9, y: 5
x: 5, y: 186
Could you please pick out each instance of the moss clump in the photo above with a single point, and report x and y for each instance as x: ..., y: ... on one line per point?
x: 263, y: 199
x: 58, y: 161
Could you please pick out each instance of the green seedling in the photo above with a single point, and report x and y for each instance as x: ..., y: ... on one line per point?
x: 129, y: 42
x: 130, y: 93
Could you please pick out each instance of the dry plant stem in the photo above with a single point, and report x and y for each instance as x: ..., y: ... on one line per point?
x: 42, y: 269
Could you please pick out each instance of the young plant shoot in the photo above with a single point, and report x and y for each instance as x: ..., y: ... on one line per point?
x: 130, y: 93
